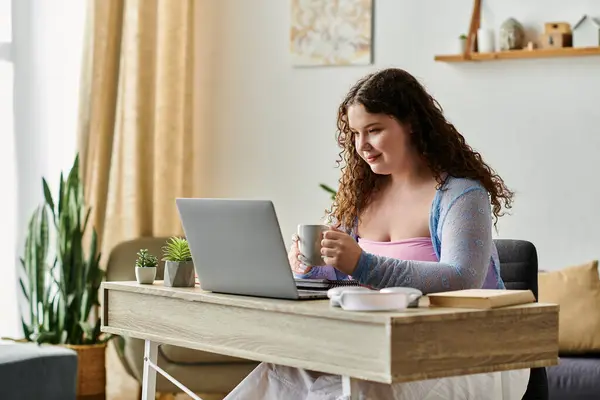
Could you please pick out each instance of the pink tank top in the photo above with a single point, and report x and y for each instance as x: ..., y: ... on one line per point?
x: 416, y: 249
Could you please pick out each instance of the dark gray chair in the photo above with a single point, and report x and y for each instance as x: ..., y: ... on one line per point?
x: 32, y: 372
x: 519, y: 270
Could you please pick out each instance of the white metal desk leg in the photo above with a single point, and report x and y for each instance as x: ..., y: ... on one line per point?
x: 349, y: 388
x: 149, y: 380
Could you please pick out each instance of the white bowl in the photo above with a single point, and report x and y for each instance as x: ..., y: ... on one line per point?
x: 334, y: 293
x: 389, y: 299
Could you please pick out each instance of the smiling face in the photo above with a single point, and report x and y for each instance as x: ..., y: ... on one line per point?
x: 388, y: 124
x: 380, y: 140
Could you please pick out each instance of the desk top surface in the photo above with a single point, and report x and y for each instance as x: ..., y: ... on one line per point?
x: 321, y: 307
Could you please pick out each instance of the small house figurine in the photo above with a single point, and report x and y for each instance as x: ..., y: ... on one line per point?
x: 586, y: 32
x: 556, y: 35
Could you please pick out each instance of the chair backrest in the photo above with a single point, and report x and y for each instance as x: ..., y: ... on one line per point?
x: 519, y: 270
x: 518, y: 264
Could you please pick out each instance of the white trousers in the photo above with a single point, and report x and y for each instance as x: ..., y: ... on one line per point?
x: 275, y: 382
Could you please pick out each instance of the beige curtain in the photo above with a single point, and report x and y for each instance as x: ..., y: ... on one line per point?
x: 136, y: 141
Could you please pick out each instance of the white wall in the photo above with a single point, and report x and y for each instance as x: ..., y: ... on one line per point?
x: 47, y: 51
x: 535, y: 121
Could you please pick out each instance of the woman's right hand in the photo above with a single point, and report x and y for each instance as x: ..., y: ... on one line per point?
x: 295, y: 258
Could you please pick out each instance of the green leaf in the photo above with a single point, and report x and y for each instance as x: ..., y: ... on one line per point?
x: 87, y: 329
x: 71, y: 299
x: 47, y: 337
x: 41, y: 257
x: 26, y: 330
x: 120, y: 346
x: 61, y: 189
x: 145, y: 259
x: 63, y: 337
x: 48, y: 195
x: 329, y: 190
x: 61, y: 319
x: 86, y: 305
x: 96, y: 333
x: 86, y: 220
x: 176, y: 249
x: 25, y: 291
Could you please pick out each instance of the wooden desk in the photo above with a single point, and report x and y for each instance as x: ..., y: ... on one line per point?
x: 387, y: 347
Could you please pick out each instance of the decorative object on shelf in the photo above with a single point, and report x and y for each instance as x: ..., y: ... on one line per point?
x: 325, y: 32
x: 61, y: 281
x: 462, y: 44
x: 179, y: 267
x: 485, y: 40
x: 556, y: 35
x: 586, y: 32
x: 145, y: 267
x: 512, y: 35
x: 522, y: 53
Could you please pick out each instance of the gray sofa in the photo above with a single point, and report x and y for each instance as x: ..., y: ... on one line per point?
x: 32, y: 372
x: 575, y: 378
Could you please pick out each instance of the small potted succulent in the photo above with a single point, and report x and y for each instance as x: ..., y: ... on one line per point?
x: 179, y: 267
x: 145, y: 267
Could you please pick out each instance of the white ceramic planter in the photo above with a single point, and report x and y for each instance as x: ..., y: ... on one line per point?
x: 145, y: 275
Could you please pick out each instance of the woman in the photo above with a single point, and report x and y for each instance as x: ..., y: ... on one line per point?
x: 415, y: 207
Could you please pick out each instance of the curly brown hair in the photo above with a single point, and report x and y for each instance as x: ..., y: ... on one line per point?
x: 398, y: 94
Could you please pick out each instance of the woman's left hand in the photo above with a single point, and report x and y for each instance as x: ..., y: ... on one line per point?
x: 340, y: 250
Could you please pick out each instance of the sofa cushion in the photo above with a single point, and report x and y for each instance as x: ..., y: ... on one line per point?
x: 29, y: 371
x: 182, y: 355
x: 576, y: 289
x: 575, y: 378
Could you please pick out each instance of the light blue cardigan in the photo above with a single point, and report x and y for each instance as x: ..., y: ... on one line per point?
x: 461, y: 232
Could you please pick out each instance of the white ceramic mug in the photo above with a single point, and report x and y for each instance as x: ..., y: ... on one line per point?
x: 309, y: 243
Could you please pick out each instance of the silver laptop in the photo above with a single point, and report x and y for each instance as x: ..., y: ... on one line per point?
x: 237, y: 248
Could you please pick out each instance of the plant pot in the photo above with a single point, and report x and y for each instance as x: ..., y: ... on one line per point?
x: 179, y: 274
x: 462, y: 45
x: 145, y: 275
x: 91, y: 371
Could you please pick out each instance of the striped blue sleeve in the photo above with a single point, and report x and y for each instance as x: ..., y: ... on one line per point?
x: 323, y: 272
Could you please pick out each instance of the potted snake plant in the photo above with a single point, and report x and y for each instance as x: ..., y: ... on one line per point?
x: 60, y: 281
x: 179, y: 267
x: 145, y: 267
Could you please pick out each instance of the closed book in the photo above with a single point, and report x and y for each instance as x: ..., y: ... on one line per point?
x: 481, y: 298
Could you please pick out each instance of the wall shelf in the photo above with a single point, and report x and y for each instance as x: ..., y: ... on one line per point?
x: 521, y: 54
